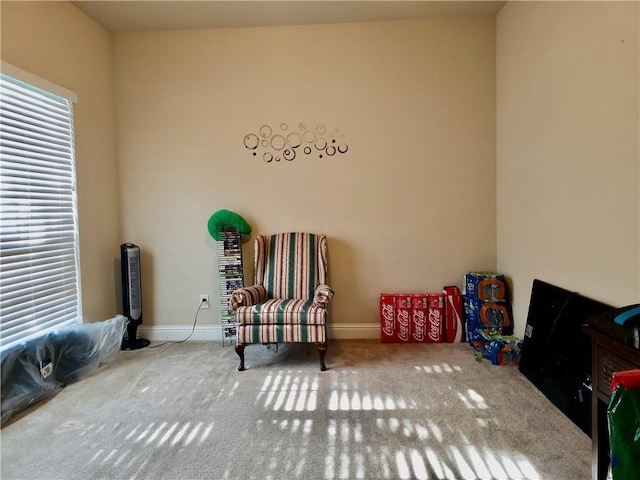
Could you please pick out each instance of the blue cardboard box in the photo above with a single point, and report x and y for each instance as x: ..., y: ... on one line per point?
x: 485, y: 287
x: 488, y: 316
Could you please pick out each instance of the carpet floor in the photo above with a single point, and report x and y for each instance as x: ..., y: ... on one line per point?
x: 381, y: 411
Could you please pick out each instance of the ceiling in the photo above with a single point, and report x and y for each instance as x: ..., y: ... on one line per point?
x: 126, y: 16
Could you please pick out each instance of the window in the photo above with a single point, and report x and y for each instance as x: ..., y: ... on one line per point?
x: 39, y: 269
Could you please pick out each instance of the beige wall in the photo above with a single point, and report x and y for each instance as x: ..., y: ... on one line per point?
x: 568, y: 167
x: 410, y: 206
x: 57, y: 42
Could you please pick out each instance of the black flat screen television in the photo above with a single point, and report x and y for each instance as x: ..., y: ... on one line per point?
x: 556, y: 353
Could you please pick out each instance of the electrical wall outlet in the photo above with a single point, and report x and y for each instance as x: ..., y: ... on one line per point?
x: 204, y: 301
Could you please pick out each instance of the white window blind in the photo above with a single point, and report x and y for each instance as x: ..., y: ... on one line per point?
x: 39, y: 269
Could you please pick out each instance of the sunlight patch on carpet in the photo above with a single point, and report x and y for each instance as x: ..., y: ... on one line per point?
x: 438, y: 368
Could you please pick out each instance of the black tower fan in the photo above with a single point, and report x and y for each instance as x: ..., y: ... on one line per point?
x: 131, y: 295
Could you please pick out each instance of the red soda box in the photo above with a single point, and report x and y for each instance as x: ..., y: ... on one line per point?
x: 435, y: 318
x: 453, y: 323
x: 404, y: 311
x: 388, y: 331
x: 418, y: 327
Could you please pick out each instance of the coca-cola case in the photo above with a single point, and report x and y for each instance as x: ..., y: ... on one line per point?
x: 453, y: 315
x: 418, y: 324
x: 435, y: 318
x: 404, y: 311
x: 388, y: 331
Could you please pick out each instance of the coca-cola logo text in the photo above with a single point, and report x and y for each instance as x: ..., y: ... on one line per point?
x: 418, y: 323
x: 387, y: 315
x: 435, y: 322
x: 403, y: 325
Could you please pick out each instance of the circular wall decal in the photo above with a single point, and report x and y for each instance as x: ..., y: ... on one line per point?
x: 317, y: 137
x: 294, y: 139
x: 278, y: 142
x: 289, y: 154
x: 309, y: 136
x: 265, y: 131
x: 251, y: 141
x: 320, y: 144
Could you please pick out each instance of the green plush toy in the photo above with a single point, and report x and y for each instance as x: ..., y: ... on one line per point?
x: 225, y: 218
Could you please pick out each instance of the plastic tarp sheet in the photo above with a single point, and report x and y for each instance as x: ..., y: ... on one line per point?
x: 38, y: 368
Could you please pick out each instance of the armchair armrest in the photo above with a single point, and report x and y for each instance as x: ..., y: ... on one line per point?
x: 322, y: 296
x: 246, y: 296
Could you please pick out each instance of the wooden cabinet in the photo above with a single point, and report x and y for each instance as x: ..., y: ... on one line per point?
x: 608, y: 356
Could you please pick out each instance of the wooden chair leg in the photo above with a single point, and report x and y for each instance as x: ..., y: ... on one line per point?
x: 322, y: 350
x: 240, y: 352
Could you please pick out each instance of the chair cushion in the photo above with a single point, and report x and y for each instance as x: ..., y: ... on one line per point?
x: 282, y: 311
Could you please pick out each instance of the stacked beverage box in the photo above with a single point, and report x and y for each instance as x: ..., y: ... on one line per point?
x: 421, y: 318
x: 230, y: 278
x: 488, y: 316
x: 486, y: 302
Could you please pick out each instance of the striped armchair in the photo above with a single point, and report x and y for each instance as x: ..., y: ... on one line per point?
x: 289, y: 298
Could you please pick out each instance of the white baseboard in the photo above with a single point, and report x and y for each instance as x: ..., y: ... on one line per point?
x: 175, y: 333
x: 213, y: 333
